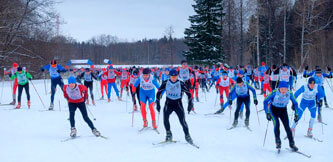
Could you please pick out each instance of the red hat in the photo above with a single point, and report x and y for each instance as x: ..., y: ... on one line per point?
x: 15, y: 64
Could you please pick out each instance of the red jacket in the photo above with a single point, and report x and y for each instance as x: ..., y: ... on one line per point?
x: 83, y: 92
x: 219, y: 80
x: 113, y: 79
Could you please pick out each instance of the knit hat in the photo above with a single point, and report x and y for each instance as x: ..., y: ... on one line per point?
x: 71, y: 80
x: 311, y: 81
x: 173, y: 72
x: 239, y: 80
x: 283, y: 84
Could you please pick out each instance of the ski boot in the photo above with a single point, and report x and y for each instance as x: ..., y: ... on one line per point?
x: 326, y: 105
x: 309, y: 134
x: 145, y: 123
x: 247, y: 122
x: 73, y: 132
x: 135, y: 108
x: 96, y: 132
x: 18, y: 105
x: 293, y: 147
x: 93, y: 102
x: 29, y: 104
x: 109, y: 100
x: 154, y: 124
x: 278, y: 143
x: 188, y: 139
x: 235, y: 123
x: 121, y: 95
x: 241, y: 114
x: 13, y: 102
x: 119, y: 99
x: 87, y: 102
x: 102, y: 98
x: 198, y: 99
x: 51, y: 106
x: 168, y: 137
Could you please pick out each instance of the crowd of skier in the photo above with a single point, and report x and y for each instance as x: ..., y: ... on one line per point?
x: 276, y: 82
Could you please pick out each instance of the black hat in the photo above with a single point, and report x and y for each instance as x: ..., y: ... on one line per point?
x: 239, y: 80
x: 146, y: 71
x: 53, y: 61
x: 87, y: 69
x: 183, y: 61
x: 19, y: 68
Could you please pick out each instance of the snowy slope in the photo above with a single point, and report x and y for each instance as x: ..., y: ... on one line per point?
x: 35, y: 135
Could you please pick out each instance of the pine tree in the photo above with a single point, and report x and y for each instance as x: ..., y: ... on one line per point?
x: 203, y: 37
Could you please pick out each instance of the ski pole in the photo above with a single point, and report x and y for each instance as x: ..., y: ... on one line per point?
x: 329, y: 85
x: 59, y: 106
x: 45, y: 84
x: 37, y: 93
x: 215, y: 99
x: 258, y: 115
x: 158, y: 119
x: 90, y: 112
x: 133, y: 117
x: 3, y: 83
x: 266, y: 133
x: 126, y: 102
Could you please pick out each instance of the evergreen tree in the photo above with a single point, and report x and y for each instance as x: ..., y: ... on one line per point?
x: 204, y: 36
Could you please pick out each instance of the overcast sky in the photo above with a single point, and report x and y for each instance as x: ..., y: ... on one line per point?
x: 126, y: 19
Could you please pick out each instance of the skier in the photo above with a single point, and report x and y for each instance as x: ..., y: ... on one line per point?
x: 111, y: 78
x: 54, y: 70
x: 319, y: 76
x: 223, y: 84
x: 262, y: 69
x: 76, y: 96
x: 275, y: 106
x: 11, y: 72
x: 88, y: 77
x: 312, y: 94
x: 184, y: 75
x: 134, y: 90
x: 265, y: 80
x: 147, y: 93
x: 174, y: 92
x: 274, y: 73
x: 124, y: 81
x: 22, y: 78
x: 284, y: 75
x: 241, y: 89
x: 104, y: 83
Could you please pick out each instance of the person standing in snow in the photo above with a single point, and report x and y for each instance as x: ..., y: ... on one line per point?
x: 76, y: 96
x: 174, y: 89
x: 11, y: 72
x: 111, y: 78
x: 88, y: 77
x: 241, y: 89
x: 22, y: 78
x: 223, y: 85
x: 312, y: 94
x: 147, y: 93
x: 275, y: 106
x: 56, y: 79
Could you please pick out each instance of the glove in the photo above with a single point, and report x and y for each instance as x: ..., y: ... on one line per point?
x: 230, y: 102
x: 296, y: 118
x: 58, y: 71
x: 320, y: 103
x: 293, y: 107
x: 306, y: 67
x: 41, y: 69
x: 190, y: 106
x: 255, y: 101
x: 29, y: 78
x: 217, y: 91
x: 158, y: 105
x: 268, y: 116
x: 329, y: 69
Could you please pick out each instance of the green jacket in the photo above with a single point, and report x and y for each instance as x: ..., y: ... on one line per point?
x: 21, y: 78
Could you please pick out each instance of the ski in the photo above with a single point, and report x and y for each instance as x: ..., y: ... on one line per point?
x: 5, y: 104
x: 248, y: 128
x: 323, y: 123
x: 314, y: 138
x: 104, y: 137
x: 194, y: 145
x: 165, y: 142
x: 148, y: 128
x: 261, y: 110
x: 231, y: 128
x: 301, y: 153
x: 70, y: 138
x: 213, y: 114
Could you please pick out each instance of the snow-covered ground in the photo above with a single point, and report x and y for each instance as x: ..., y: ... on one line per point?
x: 35, y: 135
